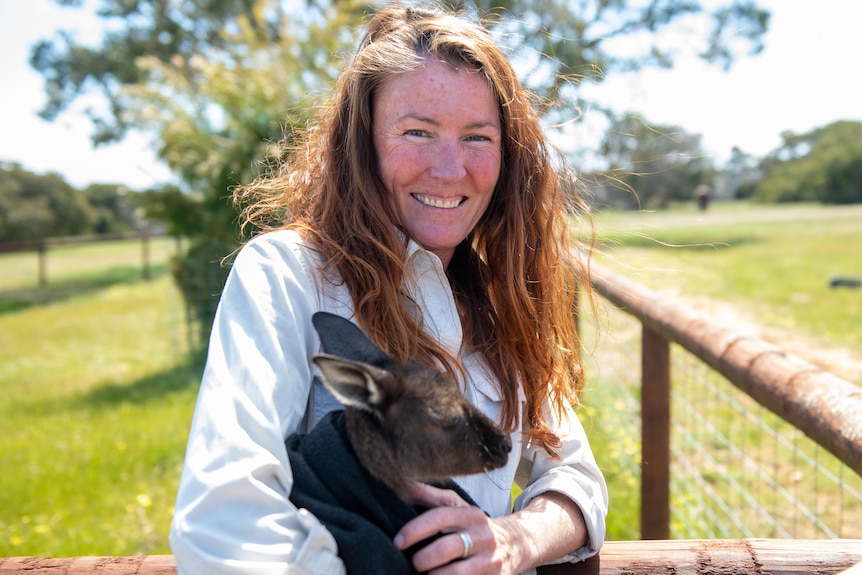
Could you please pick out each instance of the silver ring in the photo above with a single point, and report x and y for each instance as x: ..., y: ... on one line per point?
x: 468, y: 543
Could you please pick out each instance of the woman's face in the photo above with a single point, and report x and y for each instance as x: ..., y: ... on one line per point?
x: 438, y: 139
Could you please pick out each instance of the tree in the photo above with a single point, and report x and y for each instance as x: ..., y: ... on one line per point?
x: 557, y: 41
x: 822, y: 165
x: 561, y: 42
x: 651, y: 165
x: 216, y: 81
x: 38, y: 206
x: 742, y: 173
x: 116, y: 208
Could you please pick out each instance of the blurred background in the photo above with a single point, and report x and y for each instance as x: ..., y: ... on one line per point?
x: 720, y: 147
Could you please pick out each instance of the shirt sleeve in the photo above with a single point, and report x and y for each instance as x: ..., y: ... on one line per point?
x: 232, y: 512
x: 575, y: 474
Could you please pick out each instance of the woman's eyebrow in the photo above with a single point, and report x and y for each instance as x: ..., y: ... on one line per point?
x: 418, y: 117
x: 483, y: 124
x: 433, y: 122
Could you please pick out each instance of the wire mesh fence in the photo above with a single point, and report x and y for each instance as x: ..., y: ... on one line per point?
x: 737, y: 469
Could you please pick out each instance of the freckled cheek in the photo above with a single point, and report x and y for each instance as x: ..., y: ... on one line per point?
x: 485, y: 168
x: 400, y: 166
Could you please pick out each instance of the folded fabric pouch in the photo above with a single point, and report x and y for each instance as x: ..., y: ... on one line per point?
x: 361, y: 512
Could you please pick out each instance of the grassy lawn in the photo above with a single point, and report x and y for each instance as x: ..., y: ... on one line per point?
x: 768, y: 265
x: 97, y: 398
x: 76, y: 269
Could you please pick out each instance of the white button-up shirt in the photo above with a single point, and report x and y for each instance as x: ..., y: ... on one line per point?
x: 233, y: 515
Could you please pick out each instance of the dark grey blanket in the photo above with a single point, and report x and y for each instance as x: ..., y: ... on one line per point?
x: 361, y: 512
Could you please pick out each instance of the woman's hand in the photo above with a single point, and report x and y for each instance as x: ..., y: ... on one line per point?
x: 493, y: 547
x: 550, y: 527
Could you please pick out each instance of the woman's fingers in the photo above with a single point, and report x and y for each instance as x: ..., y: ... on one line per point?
x: 429, y: 496
x: 445, y: 555
x: 459, y: 529
x: 445, y: 519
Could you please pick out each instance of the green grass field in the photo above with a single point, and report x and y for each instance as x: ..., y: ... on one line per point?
x: 98, y: 389
x: 771, y: 264
x: 98, y: 382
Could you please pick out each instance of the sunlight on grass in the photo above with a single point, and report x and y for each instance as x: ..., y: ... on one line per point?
x: 71, y: 262
x: 773, y: 264
x: 98, y: 393
x: 611, y: 361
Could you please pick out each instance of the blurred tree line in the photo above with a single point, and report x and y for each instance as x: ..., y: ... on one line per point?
x: 36, y: 206
x: 823, y: 165
x: 651, y: 165
x: 218, y: 83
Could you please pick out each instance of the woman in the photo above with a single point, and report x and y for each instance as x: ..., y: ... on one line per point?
x: 424, y: 206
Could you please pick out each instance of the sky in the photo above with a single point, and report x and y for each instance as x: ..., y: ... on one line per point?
x: 807, y: 76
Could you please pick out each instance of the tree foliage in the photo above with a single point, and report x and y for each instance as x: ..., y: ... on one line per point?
x: 116, y: 208
x: 38, y: 206
x: 651, y: 164
x: 560, y: 41
x: 217, y: 81
x: 823, y: 165
x: 742, y: 172
x: 556, y: 41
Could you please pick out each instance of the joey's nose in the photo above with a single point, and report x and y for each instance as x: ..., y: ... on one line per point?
x: 498, y: 450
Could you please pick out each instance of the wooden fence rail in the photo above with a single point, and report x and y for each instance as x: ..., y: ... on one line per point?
x: 41, y: 248
x: 825, y: 407
x: 680, y: 557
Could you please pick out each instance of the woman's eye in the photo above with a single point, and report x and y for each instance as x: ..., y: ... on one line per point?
x: 414, y: 133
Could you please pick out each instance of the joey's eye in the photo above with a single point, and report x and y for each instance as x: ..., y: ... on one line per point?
x: 454, y: 422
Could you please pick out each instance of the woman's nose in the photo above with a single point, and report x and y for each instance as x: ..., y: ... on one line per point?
x: 449, y: 162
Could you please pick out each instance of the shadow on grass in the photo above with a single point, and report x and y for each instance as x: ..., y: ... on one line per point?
x: 180, y: 378
x: 183, y: 376
x: 67, y: 288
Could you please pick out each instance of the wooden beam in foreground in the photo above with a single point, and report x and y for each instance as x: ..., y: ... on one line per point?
x: 680, y: 557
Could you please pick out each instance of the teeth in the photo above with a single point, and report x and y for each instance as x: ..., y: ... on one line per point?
x: 437, y: 203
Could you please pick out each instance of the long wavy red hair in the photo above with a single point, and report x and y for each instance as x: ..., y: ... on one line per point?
x: 515, y: 278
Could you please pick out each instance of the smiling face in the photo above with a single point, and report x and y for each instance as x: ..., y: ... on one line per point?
x: 438, y: 139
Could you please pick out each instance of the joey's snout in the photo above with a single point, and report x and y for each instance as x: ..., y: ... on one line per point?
x: 506, y: 446
x: 496, y: 451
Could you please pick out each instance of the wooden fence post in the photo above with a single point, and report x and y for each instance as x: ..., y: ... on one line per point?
x: 145, y: 254
x: 655, y: 436
x: 825, y: 407
x: 42, y: 249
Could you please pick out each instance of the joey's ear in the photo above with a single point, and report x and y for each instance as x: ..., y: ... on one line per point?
x: 355, y: 383
x: 343, y: 338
